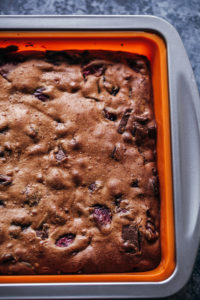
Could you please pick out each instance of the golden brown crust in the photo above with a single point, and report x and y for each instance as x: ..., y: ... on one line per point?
x: 78, y: 182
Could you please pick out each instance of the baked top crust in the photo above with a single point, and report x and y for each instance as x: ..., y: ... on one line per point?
x: 79, y: 190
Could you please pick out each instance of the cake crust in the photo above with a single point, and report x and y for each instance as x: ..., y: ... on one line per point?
x: 79, y: 190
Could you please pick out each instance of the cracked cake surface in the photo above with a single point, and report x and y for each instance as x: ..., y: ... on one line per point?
x: 79, y: 189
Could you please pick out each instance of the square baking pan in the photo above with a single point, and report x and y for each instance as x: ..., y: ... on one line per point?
x: 177, y: 113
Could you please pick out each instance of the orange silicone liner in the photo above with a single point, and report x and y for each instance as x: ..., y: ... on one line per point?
x: 154, y: 48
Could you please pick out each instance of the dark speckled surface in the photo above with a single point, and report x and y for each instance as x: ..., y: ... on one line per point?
x: 183, y: 14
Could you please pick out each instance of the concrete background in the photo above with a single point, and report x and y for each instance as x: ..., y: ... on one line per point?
x: 183, y: 14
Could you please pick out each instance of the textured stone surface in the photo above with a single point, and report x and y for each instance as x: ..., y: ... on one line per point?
x: 183, y: 14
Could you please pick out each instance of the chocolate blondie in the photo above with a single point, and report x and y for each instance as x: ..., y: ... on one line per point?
x: 79, y: 189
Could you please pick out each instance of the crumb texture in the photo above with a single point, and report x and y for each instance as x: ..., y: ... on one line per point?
x: 79, y: 190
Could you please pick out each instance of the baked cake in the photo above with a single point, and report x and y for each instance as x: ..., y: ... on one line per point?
x: 79, y: 190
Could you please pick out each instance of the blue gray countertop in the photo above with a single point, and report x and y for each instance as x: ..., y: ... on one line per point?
x: 183, y: 14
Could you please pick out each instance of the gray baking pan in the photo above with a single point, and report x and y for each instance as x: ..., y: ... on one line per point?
x: 185, y: 140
